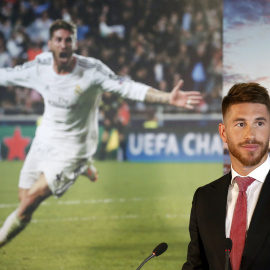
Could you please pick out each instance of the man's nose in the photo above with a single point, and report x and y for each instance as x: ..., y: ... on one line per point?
x: 63, y: 44
x: 250, y: 133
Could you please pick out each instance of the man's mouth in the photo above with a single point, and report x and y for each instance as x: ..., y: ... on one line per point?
x: 63, y: 55
x: 251, y: 146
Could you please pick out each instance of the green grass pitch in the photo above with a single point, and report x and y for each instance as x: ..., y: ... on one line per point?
x: 114, y: 223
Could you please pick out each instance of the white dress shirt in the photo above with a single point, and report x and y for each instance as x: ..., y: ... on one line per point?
x: 253, y: 192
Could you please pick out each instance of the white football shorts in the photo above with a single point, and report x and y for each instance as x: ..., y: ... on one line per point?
x: 60, y: 169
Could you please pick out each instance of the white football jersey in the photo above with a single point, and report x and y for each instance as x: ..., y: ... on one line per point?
x: 70, y: 118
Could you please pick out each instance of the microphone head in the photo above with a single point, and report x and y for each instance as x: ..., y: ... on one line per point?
x: 161, y: 248
x: 228, y: 244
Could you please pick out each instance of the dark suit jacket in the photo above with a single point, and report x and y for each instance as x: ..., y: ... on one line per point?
x: 206, y: 249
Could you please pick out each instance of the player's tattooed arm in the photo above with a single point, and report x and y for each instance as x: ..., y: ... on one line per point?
x: 156, y: 96
x: 177, y: 97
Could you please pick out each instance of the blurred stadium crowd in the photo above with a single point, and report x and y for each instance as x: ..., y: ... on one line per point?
x: 155, y: 42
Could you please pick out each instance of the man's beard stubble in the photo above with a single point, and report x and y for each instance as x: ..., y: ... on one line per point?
x: 249, y: 161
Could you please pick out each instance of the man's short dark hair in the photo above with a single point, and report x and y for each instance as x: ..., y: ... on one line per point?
x: 61, y: 24
x: 246, y: 93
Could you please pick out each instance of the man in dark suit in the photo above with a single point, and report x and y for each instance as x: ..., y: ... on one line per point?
x: 216, y: 207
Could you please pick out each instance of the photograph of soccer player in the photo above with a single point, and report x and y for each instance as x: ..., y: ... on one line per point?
x: 67, y: 137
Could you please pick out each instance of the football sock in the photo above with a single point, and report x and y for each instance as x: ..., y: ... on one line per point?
x: 11, y: 227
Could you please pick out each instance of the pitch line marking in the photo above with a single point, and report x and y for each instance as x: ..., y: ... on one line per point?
x: 93, y: 201
x: 114, y: 217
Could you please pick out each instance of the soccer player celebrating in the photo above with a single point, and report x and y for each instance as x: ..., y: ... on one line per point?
x: 71, y: 86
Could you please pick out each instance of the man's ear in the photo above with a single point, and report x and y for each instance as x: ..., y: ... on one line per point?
x: 222, y: 132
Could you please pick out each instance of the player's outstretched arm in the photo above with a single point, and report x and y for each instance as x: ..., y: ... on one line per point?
x: 177, y: 97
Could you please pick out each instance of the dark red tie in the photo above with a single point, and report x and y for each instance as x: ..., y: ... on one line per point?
x: 239, y: 222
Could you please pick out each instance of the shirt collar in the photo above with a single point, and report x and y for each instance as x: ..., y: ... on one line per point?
x: 259, y: 173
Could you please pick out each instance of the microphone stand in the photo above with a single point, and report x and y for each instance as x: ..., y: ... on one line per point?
x: 146, y: 260
x: 228, y: 248
x: 227, y: 259
x: 158, y: 250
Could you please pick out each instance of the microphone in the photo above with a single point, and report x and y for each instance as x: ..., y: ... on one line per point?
x: 228, y: 248
x: 158, y: 250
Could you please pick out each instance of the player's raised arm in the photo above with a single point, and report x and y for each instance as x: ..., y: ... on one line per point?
x: 19, y: 75
x: 177, y: 97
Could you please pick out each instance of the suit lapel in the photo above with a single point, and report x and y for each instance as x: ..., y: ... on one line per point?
x: 260, y: 224
x: 218, y: 202
x: 216, y: 213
